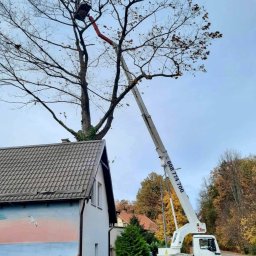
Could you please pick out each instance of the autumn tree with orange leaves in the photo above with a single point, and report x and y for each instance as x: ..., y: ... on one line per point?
x: 228, y: 204
x: 154, y: 200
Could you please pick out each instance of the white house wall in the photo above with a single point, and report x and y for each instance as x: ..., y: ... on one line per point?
x: 114, y: 233
x: 96, y: 224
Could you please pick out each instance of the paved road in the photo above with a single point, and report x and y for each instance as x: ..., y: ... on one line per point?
x: 231, y: 254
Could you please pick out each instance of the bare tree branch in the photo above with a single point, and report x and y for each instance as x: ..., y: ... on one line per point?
x: 49, y: 57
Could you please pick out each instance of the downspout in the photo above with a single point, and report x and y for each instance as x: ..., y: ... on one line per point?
x: 109, y: 239
x: 81, y: 222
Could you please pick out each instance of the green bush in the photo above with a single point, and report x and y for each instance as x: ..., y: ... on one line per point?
x: 131, y: 243
x: 253, y: 249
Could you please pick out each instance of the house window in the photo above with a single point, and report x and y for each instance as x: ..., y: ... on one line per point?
x: 96, y: 195
x: 99, y: 195
x: 93, y: 195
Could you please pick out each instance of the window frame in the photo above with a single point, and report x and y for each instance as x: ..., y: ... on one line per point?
x: 99, y: 195
x: 93, y: 194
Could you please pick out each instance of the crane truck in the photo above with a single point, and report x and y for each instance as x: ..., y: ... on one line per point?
x: 203, y: 245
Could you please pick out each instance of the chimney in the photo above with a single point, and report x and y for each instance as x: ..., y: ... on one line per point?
x: 65, y: 140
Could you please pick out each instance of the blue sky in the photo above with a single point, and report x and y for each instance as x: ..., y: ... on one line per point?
x: 198, y: 118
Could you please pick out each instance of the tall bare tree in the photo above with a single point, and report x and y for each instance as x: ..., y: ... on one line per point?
x: 49, y: 58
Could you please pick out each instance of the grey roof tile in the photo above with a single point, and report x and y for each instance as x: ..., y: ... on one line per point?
x: 48, y: 172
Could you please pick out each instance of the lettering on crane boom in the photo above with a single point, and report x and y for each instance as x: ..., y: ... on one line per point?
x: 175, y: 176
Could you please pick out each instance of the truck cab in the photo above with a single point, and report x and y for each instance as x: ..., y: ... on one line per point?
x: 205, y: 245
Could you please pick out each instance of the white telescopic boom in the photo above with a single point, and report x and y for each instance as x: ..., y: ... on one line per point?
x: 162, y: 152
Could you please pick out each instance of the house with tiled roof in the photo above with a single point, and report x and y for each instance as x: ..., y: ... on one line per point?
x: 56, y: 200
x: 123, y: 219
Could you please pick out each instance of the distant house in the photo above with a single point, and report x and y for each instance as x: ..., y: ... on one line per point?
x: 123, y: 219
x: 56, y: 200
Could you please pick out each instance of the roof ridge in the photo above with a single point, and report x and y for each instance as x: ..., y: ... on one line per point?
x: 130, y: 214
x: 53, y: 144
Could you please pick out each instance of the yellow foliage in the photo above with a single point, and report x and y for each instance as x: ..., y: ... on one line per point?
x: 248, y: 225
x: 170, y: 226
x: 228, y: 202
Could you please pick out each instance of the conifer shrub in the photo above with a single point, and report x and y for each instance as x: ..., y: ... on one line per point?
x: 131, y: 243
